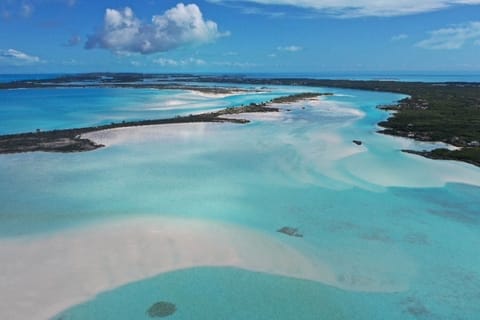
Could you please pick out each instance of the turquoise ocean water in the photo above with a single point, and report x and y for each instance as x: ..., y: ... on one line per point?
x: 47, y: 109
x: 365, y: 210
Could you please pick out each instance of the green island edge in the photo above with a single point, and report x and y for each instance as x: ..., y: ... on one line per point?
x: 70, y: 140
x: 437, y: 112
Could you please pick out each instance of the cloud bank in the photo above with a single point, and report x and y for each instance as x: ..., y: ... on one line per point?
x: 179, y: 26
x: 17, y: 58
x: 362, y: 8
x: 453, y: 37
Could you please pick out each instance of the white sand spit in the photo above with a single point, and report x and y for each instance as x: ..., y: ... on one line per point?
x: 163, y: 132
x: 234, y: 92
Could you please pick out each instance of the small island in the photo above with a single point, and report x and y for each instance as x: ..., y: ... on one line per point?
x: 290, y: 231
x: 70, y: 140
x: 357, y: 142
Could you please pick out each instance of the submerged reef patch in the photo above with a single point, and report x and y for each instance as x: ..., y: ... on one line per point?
x: 161, y: 309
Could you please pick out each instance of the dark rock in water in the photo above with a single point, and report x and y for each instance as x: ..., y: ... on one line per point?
x: 161, y: 309
x: 357, y: 142
x: 289, y: 231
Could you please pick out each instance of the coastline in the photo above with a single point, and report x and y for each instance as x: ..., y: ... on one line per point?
x: 446, y: 112
x: 283, y: 174
x: 446, y: 154
x: 436, y: 112
x: 71, y: 140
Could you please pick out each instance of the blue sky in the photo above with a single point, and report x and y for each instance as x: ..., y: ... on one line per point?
x: 58, y: 36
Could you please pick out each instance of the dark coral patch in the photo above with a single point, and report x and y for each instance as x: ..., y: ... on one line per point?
x: 161, y: 309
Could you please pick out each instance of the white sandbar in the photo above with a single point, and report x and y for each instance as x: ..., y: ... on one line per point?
x: 43, y: 276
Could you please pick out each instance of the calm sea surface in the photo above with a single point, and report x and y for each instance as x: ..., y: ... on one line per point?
x: 370, y: 212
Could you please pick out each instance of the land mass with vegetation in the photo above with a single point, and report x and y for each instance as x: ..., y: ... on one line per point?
x: 438, y: 112
x: 446, y: 111
x: 71, y: 140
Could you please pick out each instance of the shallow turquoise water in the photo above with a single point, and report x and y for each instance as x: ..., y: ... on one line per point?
x: 365, y: 210
x: 26, y: 110
x: 227, y: 293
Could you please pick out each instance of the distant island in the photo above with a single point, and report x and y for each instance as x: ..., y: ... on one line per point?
x: 438, y: 112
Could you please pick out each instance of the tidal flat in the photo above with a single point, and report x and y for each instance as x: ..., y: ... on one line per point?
x: 170, y: 212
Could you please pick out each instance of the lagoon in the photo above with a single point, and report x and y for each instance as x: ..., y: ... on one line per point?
x: 385, y: 234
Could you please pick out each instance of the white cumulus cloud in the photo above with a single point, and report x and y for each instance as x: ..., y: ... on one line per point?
x: 362, y: 8
x: 16, y: 58
x: 179, y: 26
x: 453, y: 37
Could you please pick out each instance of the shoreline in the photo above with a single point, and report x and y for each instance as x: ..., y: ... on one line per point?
x: 443, y: 154
x: 446, y: 112
x: 94, y: 259
x: 70, y: 140
x: 114, y: 253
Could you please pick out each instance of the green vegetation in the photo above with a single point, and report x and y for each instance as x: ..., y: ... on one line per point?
x: 467, y: 154
x: 70, y: 140
x: 448, y: 112
x: 299, y: 96
x: 437, y: 112
x: 119, y: 80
